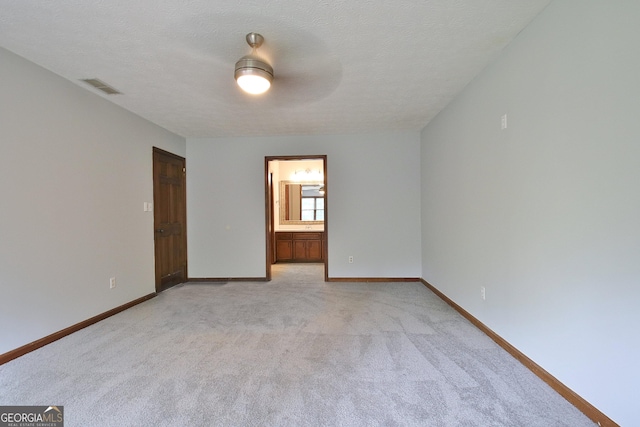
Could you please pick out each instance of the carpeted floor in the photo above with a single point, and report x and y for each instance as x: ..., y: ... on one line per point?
x: 295, y: 351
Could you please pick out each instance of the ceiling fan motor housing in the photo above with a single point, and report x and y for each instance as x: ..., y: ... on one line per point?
x: 251, y: 64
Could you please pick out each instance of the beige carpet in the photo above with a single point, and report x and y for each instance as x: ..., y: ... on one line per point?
x: 295, y: 351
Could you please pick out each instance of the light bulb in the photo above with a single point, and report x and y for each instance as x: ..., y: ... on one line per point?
x: 253, y: 84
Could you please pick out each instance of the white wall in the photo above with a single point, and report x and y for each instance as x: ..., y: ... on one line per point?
x: 74, y: 173
x: 379, y: 227
x: 546, y: 214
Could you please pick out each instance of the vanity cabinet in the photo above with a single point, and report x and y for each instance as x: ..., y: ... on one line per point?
x: 299, y: 246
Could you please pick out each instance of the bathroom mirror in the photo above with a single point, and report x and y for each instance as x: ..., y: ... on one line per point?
x: 301, y: 203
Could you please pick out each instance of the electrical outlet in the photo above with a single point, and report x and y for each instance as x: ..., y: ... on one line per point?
x: 503, y: 123
x: 112, y: 283
x: 351, y: 259
x: 483, y: 293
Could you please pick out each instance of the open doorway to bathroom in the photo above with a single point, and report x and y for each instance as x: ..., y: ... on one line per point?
x: 296, y: 211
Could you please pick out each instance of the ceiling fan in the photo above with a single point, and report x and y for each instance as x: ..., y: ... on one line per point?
x: 253, y: 74
x: 305, y: 70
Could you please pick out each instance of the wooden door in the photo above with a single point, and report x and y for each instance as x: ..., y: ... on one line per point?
x: 284, y: 250
x: 169, y: 200
x: 300, y: 250
x: 314, y: 249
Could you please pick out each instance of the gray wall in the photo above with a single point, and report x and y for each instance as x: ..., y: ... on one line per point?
x: 373, y: 198
x: 546, y: 214
x: 75, y: 171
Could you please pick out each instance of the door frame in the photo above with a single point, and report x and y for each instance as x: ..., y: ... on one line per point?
x: 183, y: 207
x: 269, y: 210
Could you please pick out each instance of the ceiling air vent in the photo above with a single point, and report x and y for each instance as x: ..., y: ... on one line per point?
x: 99, y: 84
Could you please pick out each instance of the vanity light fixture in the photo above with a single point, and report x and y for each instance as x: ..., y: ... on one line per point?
x: 307, y: 175
x: 309, y: 172
x: 252, y: 74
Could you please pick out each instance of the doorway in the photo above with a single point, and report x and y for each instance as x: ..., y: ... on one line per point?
x: 169, y: 219
x: 274, y: 213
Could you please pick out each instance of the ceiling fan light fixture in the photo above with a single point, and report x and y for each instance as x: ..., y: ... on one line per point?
x: 252, y: 74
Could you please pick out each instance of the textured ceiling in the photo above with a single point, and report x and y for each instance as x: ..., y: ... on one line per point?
x: 340, y: 66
